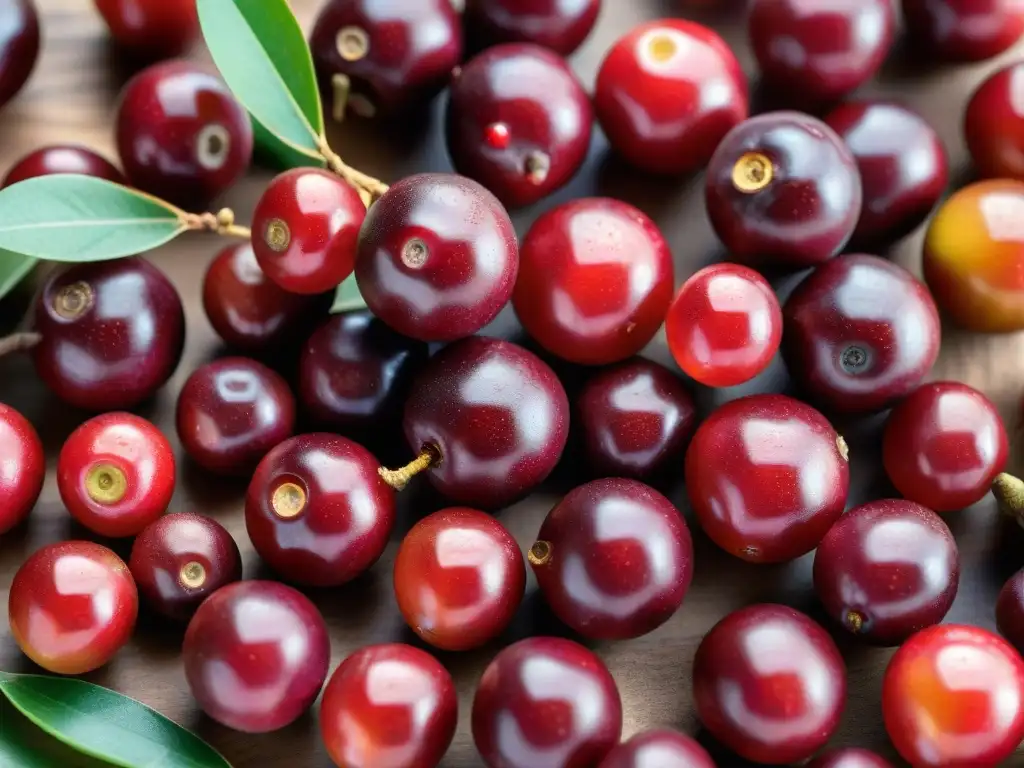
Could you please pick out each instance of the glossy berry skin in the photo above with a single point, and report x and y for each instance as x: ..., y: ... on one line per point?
x: 860, y: 333
x: 269, y: 641
x: 112, y: 333
x: 181, y: 135
x: 886, y: 570
x: 72, y: 606
x: 355, y: 373
x: 964, y: 30
x: 497, y: 415
x: 993, y: 122
x: 519, y: 122
x: 389, y: 706
x: 62, y: 158
x: 849, y: 757
x: 974, y: 256
x: 903, y: 164
x: 953, y: 696
x: 769, y: 684
x: 613, y: 559
x: 154, y: 29
x: 392, y: 57
x: 438, y: 257
x: 180, y: 560
x: 667, y: 93
x: 1010, y: 611
x: 23, y: 469
x: 251, y: 312
x: 19, y: 46
x: 595, y: 281
x: 767, y: 476
x: 115, y: 474
x: 944, y: 445
x: 459, y: 578
x: 231, y: 412
x: 557, y: 25
x: 724, y: 326
x: 305, y: 230
x: 656, y: 749
x: 823, y: 51
x: 635, y: 419
x: 783, y: 189
x: 316, y: 510
x: 552, y: 675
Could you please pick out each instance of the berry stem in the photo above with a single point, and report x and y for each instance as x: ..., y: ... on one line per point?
x: 221, y: 223
x: 429, y: 457
x: 369, y: 187
x: 1009, y: 492
x: 540, y: 553
x: 22, y: 341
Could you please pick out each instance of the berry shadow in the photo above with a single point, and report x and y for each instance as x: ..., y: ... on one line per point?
x: 656, y: 196
x: 220, y: 495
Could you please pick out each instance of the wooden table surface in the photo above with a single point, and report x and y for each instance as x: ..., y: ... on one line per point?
x: 71, y: 98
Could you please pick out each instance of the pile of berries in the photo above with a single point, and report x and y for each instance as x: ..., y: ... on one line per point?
x: 486, y: 421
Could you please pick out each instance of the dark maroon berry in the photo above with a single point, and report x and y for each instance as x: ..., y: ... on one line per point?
x: 112, y: 333
x: 151, y: 29
x: 525, y: 142
x: 438, y: 257
x: 554, y: 24
x: 19, y: 45
x: 963, y: 30
x: 1010, y: 611
x: 62, y: 158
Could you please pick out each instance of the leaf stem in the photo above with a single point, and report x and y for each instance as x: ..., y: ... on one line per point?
x: 369, y: 187
x: 221, y: 223
x: 22, y: 341
x: 430, y: 456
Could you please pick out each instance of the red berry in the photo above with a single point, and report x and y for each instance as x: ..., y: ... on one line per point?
x: 964, y: 30
x: 154, y: 29
x: 231, y: 412
x: 19, y: 47
x: 820, y: 52
x: 613, y: 559
x: 660, y: 748
x: 724, y: 325
x: 22, y: 470
x: 389, y: 706
x: 944, y: 445
x: 547, y: 119
x: 666, y: 94
x: 459, y: 578
x: 116, y: 474
x: 251, y: 312
x: 887, y: 569
x: 437, y: 257
x: 635, y: 419
x: 860, y: 333
x: 112, y: 333
x: 386, y: 57
x: 180, y: 560
x: 769, y: 684
x: 1010, y: 611
x: 595, y: 281
x: 317, y: 511
x: 62, y: 158
x: 782, y: 188
x: 305, y: 230
x: 256, y: 654
x: 849, y: 757
x: 767, y: 476
x: 994, y: 125
x: 355, y: 373
x: 72, y: 606
x: 954, y: 696
x: 557, y: 25
x: 181, y: 134
x: 496, y: 415
x: 903, y: 167
x: 545, y: 702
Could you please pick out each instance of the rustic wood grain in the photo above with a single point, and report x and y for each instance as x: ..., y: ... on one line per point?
x: 71, y: 97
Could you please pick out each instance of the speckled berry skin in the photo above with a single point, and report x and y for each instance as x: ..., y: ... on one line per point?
x: 23, y: 469
x: 19, y: 46
x: 63, y: 158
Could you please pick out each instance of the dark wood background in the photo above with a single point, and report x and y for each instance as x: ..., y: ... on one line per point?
x: 71, y: 98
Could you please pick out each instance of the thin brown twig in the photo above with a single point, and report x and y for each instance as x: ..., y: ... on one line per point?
x: 221, y: 223
x: 21, y: 341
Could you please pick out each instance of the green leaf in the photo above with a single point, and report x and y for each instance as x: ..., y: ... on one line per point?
x: 22, y: 745
x: 278, y: 155
x: 347, y: 297
x: 260, y: 50
x: 72, y: 218
x: 13, y: 269
x: 101, y: 723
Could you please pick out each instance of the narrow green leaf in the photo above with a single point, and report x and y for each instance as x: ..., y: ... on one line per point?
x: 13, y: 269
x: 347, y: 297
x: 22, y: 745
x: 72, y: 218
x: 262, y: 54
x: 104, y: 724
x: 276, y: 154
